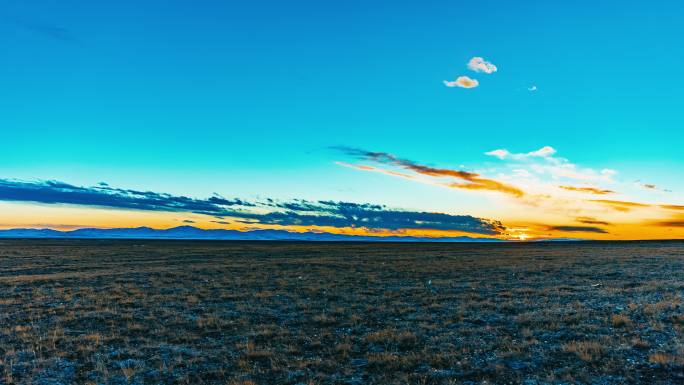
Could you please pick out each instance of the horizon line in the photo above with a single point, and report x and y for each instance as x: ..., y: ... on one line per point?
x: 65, y: 234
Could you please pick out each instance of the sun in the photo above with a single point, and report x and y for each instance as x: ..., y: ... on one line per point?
x: 522, y: 237
x: 518, y: 234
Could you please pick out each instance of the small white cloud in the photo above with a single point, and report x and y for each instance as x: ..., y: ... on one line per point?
x: 543, y: 152
x: 479, y: 64
x: 500, y: 153
x: 521, y: 173
x: 532, y: 88
x: 650, y: 186
x: 463, y: 82
x: 608, y: 173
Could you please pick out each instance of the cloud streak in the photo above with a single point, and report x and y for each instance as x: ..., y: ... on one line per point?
x: 626, y: 206
x: 623, y: 206
x: 578, y: 229
x: 588, y: 190
x: 48, y: 30
x: 591, y: 221
x: 673, y: 207
x: 674, y: 223
x: 651, y: 186
x: 466, y: 180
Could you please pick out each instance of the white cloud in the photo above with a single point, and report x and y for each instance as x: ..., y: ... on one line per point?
x: 532, y: 88
x: 500, y: 153
x: 479, y: 64
x: 544, y: 162
x: 544, y: 152
x: 521, y: 173
x: 463, y: 82
x: 562, y: 168
x: 607, y: 172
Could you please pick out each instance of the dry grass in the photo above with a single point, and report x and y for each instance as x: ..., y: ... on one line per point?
x: 620, y: 320
x: 588, y: 351
x: 120, y: 312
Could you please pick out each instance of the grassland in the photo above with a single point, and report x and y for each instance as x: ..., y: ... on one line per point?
x: 135, y: 312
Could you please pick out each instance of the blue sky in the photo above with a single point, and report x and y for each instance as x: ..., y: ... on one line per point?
x: 247, y: 99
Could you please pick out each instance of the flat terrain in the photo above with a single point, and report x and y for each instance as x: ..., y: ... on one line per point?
x: 135, y: 312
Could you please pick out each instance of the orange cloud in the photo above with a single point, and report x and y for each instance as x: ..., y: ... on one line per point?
x: 488, y: 184
x: 672, y: 207
x: 627, y: 206
x: 589, y: 190
x: 591, y: 221
x: 621, y: 205
x: 463, y: 82
x: 473, y: 181
x: 675, y: 223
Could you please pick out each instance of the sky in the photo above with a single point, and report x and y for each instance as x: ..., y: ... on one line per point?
x: 516, y: 120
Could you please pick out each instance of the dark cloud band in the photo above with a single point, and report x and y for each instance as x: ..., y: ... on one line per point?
x: 344, y: 214
x: 579, y: 229
x: 53, y: 192
x: 292, y: 213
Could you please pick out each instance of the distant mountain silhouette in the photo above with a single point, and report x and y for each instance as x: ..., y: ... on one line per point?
x: 189, y: 232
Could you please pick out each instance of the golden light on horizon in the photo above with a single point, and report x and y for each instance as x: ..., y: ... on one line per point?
x: 70, y: 217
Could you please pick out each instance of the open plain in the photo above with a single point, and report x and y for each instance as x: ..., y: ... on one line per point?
x: 182, y: 312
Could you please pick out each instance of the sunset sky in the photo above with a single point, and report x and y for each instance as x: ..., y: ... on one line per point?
x: 516, y: 120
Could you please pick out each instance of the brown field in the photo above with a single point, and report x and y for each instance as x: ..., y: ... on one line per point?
x: 164, y: 312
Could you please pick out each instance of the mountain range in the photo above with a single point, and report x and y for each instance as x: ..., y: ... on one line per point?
x: 194, y: 233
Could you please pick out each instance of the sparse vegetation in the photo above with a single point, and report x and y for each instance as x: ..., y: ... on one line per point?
x: 588, y: 351
x: 620, y: 320
x: 135, y: 312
